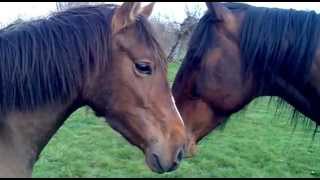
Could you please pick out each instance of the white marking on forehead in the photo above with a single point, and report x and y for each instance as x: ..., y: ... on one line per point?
x: 175, y: 107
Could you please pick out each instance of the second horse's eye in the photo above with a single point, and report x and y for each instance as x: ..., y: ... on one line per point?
x: 143, y: 68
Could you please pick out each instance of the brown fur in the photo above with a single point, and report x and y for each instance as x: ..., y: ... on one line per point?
x: 137, y: 105
x: 211, y: 89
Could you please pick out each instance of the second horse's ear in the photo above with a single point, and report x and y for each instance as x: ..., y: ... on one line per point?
x: 147, y: 10
x: 224, y: 15
x: 125, y: 15
x: 218, y: 10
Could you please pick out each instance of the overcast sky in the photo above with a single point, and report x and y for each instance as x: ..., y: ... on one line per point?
x: 9, y: 11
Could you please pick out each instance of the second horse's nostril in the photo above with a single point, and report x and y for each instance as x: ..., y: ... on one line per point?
x: 177, y: 160
x: 179, y: 156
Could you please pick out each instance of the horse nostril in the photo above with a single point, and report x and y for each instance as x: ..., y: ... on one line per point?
x: 177, y: 160
x: 157, y: 162
x: 179, y: 156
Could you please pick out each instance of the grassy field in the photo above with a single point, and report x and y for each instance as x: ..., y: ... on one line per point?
x: 254, y: 143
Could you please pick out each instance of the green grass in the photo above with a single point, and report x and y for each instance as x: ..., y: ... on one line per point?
x: 253, y: 143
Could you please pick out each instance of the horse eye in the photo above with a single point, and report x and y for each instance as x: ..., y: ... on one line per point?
x: 143, y: 68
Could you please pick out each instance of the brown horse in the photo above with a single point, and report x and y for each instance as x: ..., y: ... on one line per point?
x: 102, y: 56
x: 239, y: 52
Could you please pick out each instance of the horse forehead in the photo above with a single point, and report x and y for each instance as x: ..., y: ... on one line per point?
x: 133, y: 43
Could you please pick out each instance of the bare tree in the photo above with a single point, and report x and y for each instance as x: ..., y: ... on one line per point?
x: 165, y: 31
x: 184, y: 32
x: 66, y: 5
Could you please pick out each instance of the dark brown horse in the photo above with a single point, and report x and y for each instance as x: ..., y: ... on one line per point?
x: 102, y: 56
x: 239, y: 52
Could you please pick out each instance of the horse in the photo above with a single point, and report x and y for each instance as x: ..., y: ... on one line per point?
x: 105, y: 57
x: 240, y: 52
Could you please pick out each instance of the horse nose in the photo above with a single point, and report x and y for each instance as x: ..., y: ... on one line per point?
x: 163, y: 167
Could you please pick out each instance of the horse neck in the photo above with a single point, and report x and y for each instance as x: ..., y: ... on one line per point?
x: 23, y: 136
x: 306, y: 99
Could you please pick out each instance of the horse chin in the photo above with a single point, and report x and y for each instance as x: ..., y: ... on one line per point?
x: 191, y: 149
x: 99, y: 113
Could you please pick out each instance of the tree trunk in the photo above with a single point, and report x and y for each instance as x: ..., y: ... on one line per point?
x: 174, y: 48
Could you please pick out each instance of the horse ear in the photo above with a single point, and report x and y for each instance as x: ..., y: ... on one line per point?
x: 125, y: 15
x: 223, y: 14
x: 218, y: 10
x: 147, y: 10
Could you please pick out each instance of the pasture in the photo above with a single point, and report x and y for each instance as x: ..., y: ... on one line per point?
x: 254, y: 143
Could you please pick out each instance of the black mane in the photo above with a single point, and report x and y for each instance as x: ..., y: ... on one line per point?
x: 279, y: 43
x: 276, y: 45
x: 274, y: 42
x: 46, y: 60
